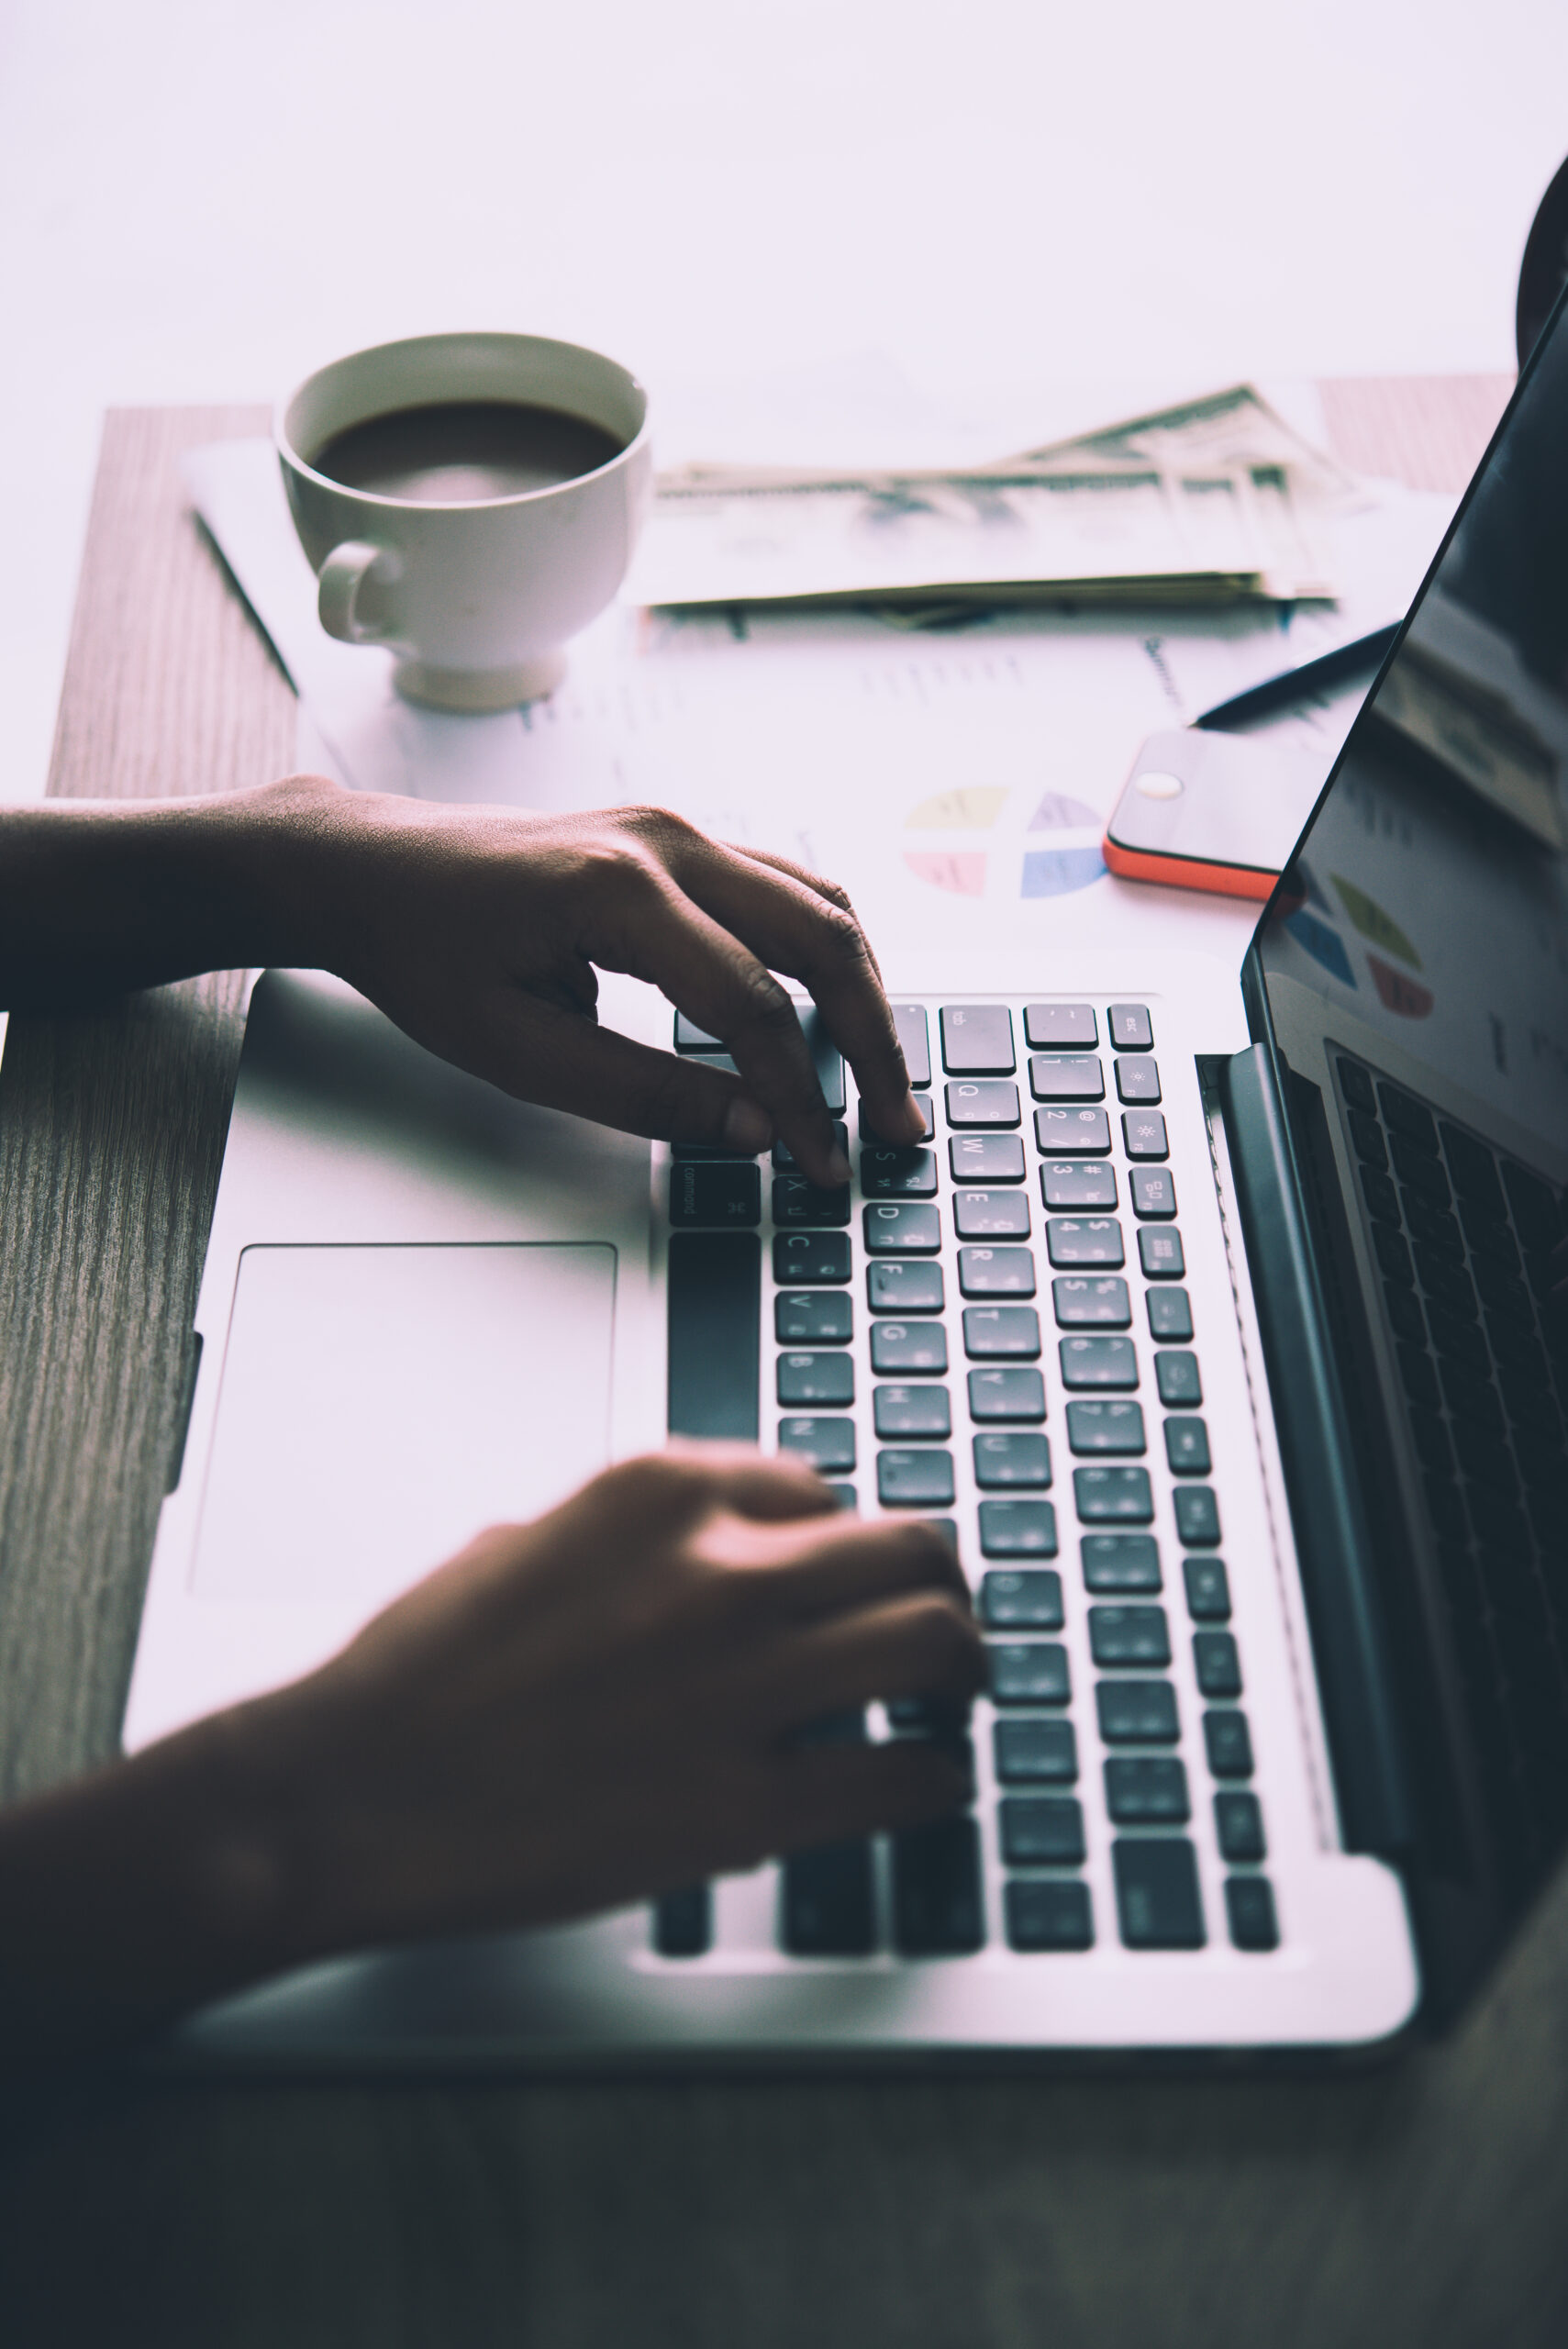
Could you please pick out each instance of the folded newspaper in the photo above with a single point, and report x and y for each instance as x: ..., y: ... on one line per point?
x: 1216, y: 501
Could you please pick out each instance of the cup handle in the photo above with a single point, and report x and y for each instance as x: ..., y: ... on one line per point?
x: 343, y: 575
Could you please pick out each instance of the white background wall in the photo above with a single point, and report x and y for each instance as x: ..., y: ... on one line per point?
x: 198, y: 199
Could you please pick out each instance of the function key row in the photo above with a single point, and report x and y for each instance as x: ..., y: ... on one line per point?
x: 977, y: 1038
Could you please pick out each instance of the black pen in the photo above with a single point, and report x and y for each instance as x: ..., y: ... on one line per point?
x: 1325, y: 669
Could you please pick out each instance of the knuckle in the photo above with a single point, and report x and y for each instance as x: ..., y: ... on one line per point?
x: 842, y: 936
x: 942, y: 1643
x: 656, y: 829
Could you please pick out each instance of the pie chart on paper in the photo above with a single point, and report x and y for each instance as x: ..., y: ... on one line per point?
x: 987, y: 841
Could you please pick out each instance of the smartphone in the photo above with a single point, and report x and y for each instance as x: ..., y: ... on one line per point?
x: 1212, y: 811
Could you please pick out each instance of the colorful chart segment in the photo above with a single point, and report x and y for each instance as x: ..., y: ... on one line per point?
x: 1311, y: 920
x: 974, y: 846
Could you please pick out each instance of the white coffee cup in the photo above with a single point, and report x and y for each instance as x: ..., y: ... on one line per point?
x: 476, y: 599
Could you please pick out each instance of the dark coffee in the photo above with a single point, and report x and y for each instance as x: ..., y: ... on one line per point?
x: 462, y: 452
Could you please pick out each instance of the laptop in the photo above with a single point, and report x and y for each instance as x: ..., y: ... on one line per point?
x: 1211, y: 1321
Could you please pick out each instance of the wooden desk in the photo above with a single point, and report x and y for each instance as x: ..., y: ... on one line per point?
x: 1426, y: 2203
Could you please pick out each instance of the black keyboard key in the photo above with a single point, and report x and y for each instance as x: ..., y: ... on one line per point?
x: 1131, y: 1027
x: 1001, y: 1332
x: 1115, y: 1427
x: 1471, y: 1398
x: 1393, y: 1254
x: 1423, y: 1174
x: 1186, y: 1447
x: 827, y: 1379
x: 690, y: 1037
x: 1228, y: 1743
x: 1035, y: 1752
x: 1432, y: 1226
x: 1382, y: 1198
x: 901, y: 1413
x: 1465, y: 1342
x: 1096, y: 1362
x: 1418, y: 1375
x: 1032, y: 1672
x: 1004, y: 1463
x: 714, y: 1307
x: 996, y: 1395
x: 996, y: 1272
x: 1127, y: 1638
x: 1489, y: 1235
x: 1067, y: 1077
x: 1356, y: 1085
x: 1501, y: 1291
x: 1113, y: 1496
x: 901, y: 1231
x: 1017, y: 1529
x: 981, y: 1103
x: 1137, y: 1712
x: 1249, y: 1907
x: 1160, y: 1253
x: 1102, y: 1304
x: 1154, y: 1190
x: 1430, y: 1439
x: 908, y: 1349
x: 898, y: 1173
x: 1367, y: 1136
x: 682, y: 1922
x: 1069, y: 1027
x: 905, y: 1288
x: 727, y: 1193
x: 845, y: 1498
x: 986, y: 1158
x: 914, y: 1041
x: 977, y: 1039
x: 1239, y: 1827
x: 822, y: 1319
x: 937, y: 1908
x: 1405, y: 1316
x: 1178, y: 1379
x: 827, y: 1906
x: 1217, y: 1664
x: 1114, y: 1563
x: 1143, y: 1134
x: 1072, y: 1133
x: 809, y: 1259
x: 872, y: 1140
x: 1474, y: 1169
x: 1147, y: 1790
x: 1407, y: 1118
x: 796, y: 1201
x: 1156, y: 1892
x: 991, y: 1215
x: 829, y: 1444
x: 1170, y: 1315
x: 1137, y: 1081
x: 1209, y: 1589
x: 1516, y: 1347
x: 828, y: 1060
x: 1048, y: 1913
x: 1040, y: 1830
x: 1449, y: 1286
x: 915, y: 1479
x: 785, y: 1161
x: 1077, y: 1182
x: 1197, y: 1516
x: 1537, y: 1214
x: 1021, y: 1602
x: 1075, y: 1240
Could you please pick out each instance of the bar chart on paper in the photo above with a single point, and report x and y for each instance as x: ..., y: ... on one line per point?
x: 990, y: 840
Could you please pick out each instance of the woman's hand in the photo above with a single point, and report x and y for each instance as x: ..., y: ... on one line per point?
x: 478, y: 930
x: 572, y: 1715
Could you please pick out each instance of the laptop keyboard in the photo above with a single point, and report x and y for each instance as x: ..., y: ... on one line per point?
x: 1008, y: 1297
x: 1462, y: 1235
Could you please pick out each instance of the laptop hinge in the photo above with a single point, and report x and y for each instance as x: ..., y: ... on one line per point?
x: 1332, y: 1537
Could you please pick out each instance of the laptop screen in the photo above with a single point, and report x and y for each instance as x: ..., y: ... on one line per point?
x: 1413, y: 960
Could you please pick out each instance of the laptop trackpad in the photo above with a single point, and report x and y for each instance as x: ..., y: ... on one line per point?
x: 379, y: 1405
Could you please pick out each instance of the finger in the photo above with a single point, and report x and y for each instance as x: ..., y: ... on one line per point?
x: 662, y: 933
x: 806, y: 928
x: 756, y: 1485
x: 813, y: 1571
x: 832, y: 891
x: 539, y: 1052
x: 916, y: 1645
x: 830, y: 1793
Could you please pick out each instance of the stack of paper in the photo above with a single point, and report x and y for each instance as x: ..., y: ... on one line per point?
x: 1216, y: 501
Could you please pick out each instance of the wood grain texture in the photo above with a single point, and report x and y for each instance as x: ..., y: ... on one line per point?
x: 1417, y: 2207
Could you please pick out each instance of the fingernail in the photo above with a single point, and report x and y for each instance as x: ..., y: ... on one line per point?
x: 747, y: 1129
x: 838, y: 1166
